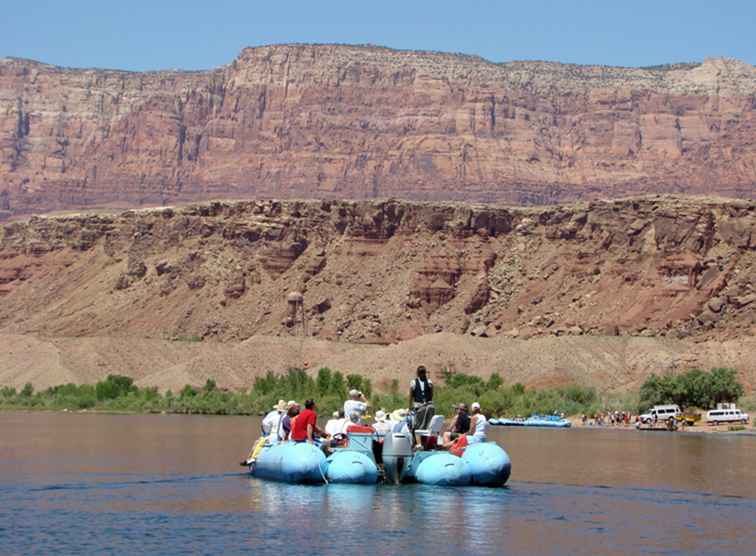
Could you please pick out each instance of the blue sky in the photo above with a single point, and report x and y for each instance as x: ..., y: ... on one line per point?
x: 160, y: 34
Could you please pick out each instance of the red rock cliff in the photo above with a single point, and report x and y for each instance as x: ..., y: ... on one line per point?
x: 364, y: 122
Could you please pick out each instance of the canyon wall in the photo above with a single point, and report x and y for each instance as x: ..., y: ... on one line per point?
x: 599, y: 293
x: 329, y: 121
x: 385, y: 271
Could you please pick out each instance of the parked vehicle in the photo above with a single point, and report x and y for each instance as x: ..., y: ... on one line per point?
x: 729, y: 414
x: 660, y: 413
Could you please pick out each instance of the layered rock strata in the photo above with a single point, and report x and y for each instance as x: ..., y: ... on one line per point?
x: 384, y: 271
x: 330, y: 121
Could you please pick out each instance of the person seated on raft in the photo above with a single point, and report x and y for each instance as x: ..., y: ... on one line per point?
x: 478, y: 426
x: 271, y: 423
x: 336, y: 424
x: 400, y: 421
x: 355, y: 426
x: 460, y: 424
x: 305, y: 426
x: 356, y: 402
x: 292, y: 410
x: 476, y: 432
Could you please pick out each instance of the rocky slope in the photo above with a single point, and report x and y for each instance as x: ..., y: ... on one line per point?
x: 366, y: 122
x: 671, y: 270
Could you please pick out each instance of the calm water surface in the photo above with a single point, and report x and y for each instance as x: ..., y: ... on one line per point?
x: 171, y: 484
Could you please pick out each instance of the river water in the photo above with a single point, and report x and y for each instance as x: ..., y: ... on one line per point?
x: 82, y: 483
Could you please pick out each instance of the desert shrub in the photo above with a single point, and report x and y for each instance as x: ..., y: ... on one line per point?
x: 114, y: 386
x: 7, y: 392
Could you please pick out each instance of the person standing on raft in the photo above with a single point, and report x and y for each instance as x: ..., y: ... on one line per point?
x: 357, y: 403
x: 421, y: 400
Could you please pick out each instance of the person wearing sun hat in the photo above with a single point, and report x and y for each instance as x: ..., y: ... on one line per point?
x: 272, y: 421
x: 292, y: 410
x: 399, y: 420
x: 336, y: 423
x: 382, y: 424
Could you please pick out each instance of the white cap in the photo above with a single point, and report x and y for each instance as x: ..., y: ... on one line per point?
x: 475, y: 405
x: 353, y: 393
x: 380, y: 415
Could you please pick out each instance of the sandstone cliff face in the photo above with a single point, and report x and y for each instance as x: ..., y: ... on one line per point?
x: 384, y: 271
x: 364, y: 122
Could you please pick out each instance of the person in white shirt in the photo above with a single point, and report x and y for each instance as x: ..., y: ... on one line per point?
x: 336, y: 424
x: 272, y: 421
x: 357, y: 403
x: 478, y: 425
x: 382, y: 425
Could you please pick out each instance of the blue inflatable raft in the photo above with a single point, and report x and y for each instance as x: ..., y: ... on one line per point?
x: 552, y: 421
x: 351, y: 467
x: 484, y: 464
x: 291, y: 462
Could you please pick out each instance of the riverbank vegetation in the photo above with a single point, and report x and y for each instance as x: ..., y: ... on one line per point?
x: 329, y: 388
x: 694, y: 388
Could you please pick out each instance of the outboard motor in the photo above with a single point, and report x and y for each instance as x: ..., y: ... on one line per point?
x: 397, y: 450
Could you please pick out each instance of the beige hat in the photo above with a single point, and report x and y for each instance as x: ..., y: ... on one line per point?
x: 398, y: 414
x: 290, y: 404
x: 280, y: 406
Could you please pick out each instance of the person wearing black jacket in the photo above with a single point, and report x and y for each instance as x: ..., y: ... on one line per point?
x: 421, y: 399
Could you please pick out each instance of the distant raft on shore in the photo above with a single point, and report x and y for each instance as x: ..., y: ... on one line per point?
x: 550, y: 421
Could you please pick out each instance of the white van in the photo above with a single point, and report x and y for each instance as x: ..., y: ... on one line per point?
x: 729, y: 415
x: 660, y: 413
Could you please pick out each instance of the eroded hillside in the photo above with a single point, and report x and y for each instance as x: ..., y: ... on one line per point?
x: 599, y: 293
x: 385, y: 271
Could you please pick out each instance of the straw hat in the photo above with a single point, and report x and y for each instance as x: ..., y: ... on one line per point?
x: 290, y: 404
x: 380, y: 416
x: 398, y: 414
x: 280, y: 406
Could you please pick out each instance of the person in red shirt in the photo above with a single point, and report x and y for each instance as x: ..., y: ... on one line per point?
x: 305, y: 426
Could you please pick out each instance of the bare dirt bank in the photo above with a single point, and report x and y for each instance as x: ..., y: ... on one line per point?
x: 609, y: 363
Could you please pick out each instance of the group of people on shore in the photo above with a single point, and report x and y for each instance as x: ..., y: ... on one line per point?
x: 289, y: 422
x: 611, y: 418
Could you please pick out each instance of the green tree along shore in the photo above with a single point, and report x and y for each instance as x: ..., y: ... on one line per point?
x: 119, y: 394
